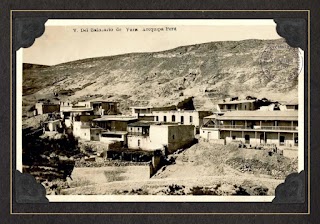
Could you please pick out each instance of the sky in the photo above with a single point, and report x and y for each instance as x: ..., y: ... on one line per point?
x: 71, y: 40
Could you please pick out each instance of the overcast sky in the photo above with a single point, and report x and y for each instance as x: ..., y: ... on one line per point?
x: 62, y: 44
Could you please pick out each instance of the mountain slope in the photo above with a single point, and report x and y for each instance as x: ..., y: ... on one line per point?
x: 208, y: 72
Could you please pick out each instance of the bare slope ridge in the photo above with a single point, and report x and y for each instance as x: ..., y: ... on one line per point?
x: 208, y: 72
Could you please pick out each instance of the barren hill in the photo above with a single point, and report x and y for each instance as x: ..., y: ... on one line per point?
x: 208, y: 72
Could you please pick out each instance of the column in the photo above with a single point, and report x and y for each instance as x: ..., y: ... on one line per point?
x: 245, y: 124
x: 293, y: 139
x: 255, y: 136
x: 279, y: 138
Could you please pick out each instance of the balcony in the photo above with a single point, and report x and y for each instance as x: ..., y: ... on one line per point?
x: 256, y: 128
x: 138, y: 134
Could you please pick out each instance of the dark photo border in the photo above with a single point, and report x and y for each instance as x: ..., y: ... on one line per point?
x: 130, y: 212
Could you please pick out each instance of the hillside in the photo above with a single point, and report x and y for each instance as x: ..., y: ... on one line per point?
x: 208, y: 72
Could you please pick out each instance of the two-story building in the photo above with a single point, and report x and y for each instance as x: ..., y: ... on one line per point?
x: 151, y: 136
x: 230, y: 105
x: 114, y: 122
x: 184, y: 117
x: 254, y: 127
x: 84, y: 128
x: 100, y: 107
x: 143, y: 112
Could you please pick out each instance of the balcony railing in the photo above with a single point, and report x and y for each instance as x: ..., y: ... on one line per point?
x: 138, y: 133
x: 255, y: 127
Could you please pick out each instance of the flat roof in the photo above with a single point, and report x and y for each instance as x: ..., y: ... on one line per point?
x: 79, y: 109
x: 115, y: 132
x: 141, y: 107
x: 116, y: 118
x: 102, y: 101
x: 142, y: 123
x: 259, y: 115
x: 236, y: 101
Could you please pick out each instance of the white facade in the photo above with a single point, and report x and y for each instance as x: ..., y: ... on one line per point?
x: 186, y: 117
x: 85, y: 132
x: 168, y: 137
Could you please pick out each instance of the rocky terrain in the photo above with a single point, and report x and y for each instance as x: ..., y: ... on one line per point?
x: 208, y: 72
x: 203, y: 169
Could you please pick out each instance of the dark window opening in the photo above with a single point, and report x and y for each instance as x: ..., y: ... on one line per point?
x: 173, y: 118
x: 182, y: 119
x: 172, y: 136
x: 233, y: 137
x: 282, y: 138
x: 165, y: 118
x: 191, y: 119
x: 138, y: 142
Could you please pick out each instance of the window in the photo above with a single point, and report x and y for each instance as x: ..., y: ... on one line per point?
x: 182, y: 119
x: 165, y: 118
x: 157, y: 118
x: 191, y: 119
x: 233, y: 137
x: 172, y: 136
x: 296, y: 140
x: 173, y: 118
x: 138, y: 143
x: 282, y: 138
x: 130, y: 129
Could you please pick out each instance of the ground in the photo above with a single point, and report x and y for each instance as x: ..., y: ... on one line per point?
x: 204, y: 168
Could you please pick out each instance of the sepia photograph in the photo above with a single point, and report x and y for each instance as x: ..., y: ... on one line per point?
x: 160, y: 110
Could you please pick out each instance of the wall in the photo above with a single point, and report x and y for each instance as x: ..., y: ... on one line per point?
x: 145, y: 143
x: 95, y: 134
x: 51, y: 108
x: 213, y: 133
x: 179, y: 136
x: 83, y: 133
x: 38, y: 108
x: 159, y: 134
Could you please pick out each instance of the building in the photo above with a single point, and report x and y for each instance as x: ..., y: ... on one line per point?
x: 114, y: 136
x: 151, y: 136
x: 289, y: 106
x: 143, y: 113
x: 69, y: 113
x: 254, y: 128
x: 52, y: 126
x: 100, y: 107
x: 185, y: 117
x: 46, y: 108
x: 84, y: 128
x: 114, y: 122
x: 230, y: 105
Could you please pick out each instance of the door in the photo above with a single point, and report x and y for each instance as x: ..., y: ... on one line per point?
x: 247, y: 139
x: 261, y: 139
x: 282, y: 140
x: 209, y: 135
